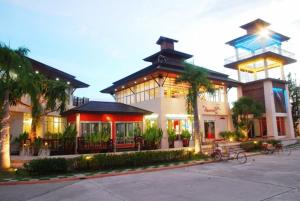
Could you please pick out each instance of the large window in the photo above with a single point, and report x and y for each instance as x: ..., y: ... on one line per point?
x: 27, y: 122
x: 141, y: 92
x: 55, y: 124
x: 88, y: 128
x: 217, y: 96
x: 173, y: 89
x: 180, y: 124
x: 127, y: 131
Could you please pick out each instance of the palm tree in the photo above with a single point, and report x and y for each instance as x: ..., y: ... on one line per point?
x: 197, y: 79
x: 244, y: 110
x: 49, y: 96
x: 15, y: 76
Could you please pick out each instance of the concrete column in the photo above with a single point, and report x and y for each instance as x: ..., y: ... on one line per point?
x: 290, y: 132
x: 270, y: 109
x: 78, y: 129
x: 266, y: 68
x: 162, y: 121
x: 201, y: 119
x: 237, y: 53
x: 239, y: 92
x: 282, y: 72
x: 239, y: 75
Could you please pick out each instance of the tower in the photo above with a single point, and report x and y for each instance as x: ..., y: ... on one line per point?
x: 259, y: 60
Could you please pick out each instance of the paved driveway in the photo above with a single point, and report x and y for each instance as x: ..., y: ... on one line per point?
x: 272, y: 178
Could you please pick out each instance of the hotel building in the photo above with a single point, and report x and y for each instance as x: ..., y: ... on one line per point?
x: 153, y: 88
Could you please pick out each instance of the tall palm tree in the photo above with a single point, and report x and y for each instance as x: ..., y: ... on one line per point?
x: 197, y: 79
x: 15, y: 76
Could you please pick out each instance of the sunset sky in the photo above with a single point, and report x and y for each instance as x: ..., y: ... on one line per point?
x: 102, y: 41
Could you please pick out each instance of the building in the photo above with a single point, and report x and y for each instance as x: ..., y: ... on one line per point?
x: 20, y: 120
x: 122, y: 122
x: 259, y: 60
x: 154, y: 89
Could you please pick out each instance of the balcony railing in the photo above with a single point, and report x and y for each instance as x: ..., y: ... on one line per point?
x: 77, y: 101
x: 274, y: 49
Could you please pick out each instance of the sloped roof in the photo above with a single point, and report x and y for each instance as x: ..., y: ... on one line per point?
x: 54, y: 73
x: 106, y: 107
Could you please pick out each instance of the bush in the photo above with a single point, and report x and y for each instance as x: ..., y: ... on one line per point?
x: 152, y: 136
x: 47, y: 166
x: 251, y: 146
x: 171, y: 135
x: 128, y: 160
x: 185, y: 134
x: 234, y: 135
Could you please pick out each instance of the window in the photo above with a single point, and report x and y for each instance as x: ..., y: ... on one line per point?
x: 173, y: 89
x: 127, y: 131
x: 280, y: 126
x: 55, y: 124
x: 88, y: 128
x: 141, y: 92
x: 27, y: 123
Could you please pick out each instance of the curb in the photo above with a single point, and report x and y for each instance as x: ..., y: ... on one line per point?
x: 103, y: 175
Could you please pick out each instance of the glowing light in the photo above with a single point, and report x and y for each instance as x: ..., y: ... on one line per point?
x: 57, y: 79
x: 68, y: 82
x: 206, y: 153
x: 145, y: 78
x: 264, y: 33
x: 151, y: 116
x: 116, y: 89
x: 255, y: 142
x: 231, y: 139
x: 46, y: 143
x: 123, y: 87
x: 135, y: 82
x: 36, y: 72
x: 88, y: 157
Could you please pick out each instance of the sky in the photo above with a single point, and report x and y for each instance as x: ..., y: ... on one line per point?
x: 101, y: 41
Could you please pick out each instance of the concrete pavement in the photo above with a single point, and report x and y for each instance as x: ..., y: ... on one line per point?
x: 272, y: 178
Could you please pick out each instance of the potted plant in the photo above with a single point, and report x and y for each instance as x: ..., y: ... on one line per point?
x: 37, y: 145
x: 152, y: 137
x: 185, y: 136
x: 171, y: 137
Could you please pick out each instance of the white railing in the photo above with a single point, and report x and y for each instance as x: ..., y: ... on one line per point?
x: 274, y: 49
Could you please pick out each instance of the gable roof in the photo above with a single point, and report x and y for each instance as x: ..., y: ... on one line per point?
x: 214, y: 75
x: 54, y: 73
x: 106, y: 107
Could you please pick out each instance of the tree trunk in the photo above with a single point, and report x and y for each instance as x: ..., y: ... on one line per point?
x: 33, y: 129
x: 4, y: 134
x: 198, y: 137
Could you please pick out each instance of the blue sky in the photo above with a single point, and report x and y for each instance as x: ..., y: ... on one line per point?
x: 102, y: 41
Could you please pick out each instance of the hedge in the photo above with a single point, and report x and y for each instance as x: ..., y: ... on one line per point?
x: 105, y: 161
x: 256, y: 145
x: 47, y: 166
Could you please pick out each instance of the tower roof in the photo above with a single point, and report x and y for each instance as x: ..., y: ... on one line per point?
x: 258, y: 23
x: 165, y: 39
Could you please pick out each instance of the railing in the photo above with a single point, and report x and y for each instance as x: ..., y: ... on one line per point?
x: 274, y: 49
x: 86, y: 146
x: 77, y: 101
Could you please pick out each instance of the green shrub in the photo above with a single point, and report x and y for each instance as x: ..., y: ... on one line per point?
x: 128, y: 160
x: 185, y: 134
x: 153, y: 135
x: 251, y: 146
x: 47, y: 166
x: 171, y: 135
x: 234, y: 135
x: 273, y: 142
x: 22, y: 138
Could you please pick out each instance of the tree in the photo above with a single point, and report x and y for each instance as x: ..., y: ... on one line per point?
x: 294, y: 92
x: 245, y: 109
x: 48, y: 96
x: 199, y: 83
x: 15, y: 78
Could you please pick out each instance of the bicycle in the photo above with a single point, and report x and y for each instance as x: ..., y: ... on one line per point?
x: 277, y: 148
x: 217, y: 155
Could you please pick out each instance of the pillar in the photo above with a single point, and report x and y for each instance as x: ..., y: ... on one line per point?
x: 282, y: 72
x: 162, y: 120
x: 290, y: 132
x: 77, y: 124
x: 270, y: 109
x: 229, y: 116
x: 266, y: 68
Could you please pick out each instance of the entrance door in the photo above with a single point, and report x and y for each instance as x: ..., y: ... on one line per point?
x: 209, y: 127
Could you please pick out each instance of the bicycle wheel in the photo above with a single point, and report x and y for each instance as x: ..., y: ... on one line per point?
x: 241, y: 157
x: 286, y: 151
x: 217, y: 156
